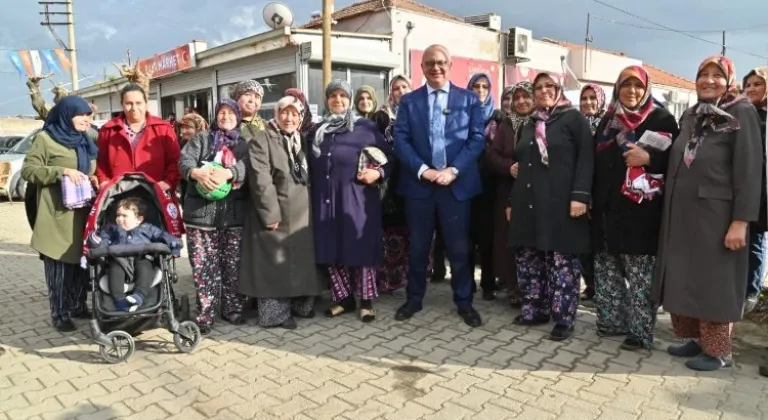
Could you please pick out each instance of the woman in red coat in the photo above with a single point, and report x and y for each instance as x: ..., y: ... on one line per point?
x: 135, y: 141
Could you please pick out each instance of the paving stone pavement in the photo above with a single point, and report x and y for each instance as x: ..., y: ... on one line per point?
x: 432, y: 367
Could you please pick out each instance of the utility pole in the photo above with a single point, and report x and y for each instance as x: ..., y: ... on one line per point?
x: 70, y: 23
x: 723, y: 52
x: 327, y: 19
x: 587, y: 40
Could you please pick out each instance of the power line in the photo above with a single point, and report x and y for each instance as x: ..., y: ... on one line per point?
x: 634, y: 25
x: 618, y: 9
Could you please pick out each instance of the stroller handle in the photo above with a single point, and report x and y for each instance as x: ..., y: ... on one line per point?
x: 129, y: 250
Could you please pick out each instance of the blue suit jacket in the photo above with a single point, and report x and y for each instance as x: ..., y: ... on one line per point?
x: 464, y: 142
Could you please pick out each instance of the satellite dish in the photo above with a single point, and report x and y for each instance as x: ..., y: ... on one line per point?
x: 277, y: 15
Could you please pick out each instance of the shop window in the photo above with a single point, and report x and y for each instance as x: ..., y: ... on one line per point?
x: 274, y: 86
x: 356, y: 76
x: 267, y: 111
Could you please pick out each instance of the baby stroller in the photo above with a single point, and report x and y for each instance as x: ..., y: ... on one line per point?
x: 117, y: 345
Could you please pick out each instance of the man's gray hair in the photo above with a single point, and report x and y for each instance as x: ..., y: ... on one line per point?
x: 438, y: 47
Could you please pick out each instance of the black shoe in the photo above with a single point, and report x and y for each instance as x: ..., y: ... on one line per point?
x: 345, y: 306
x: 561, y: 332
x: 205, y: 329
x: 631, y: 343
x: 437, y: 278
x: 538, y: 320
x: 84, y: 314
x: 689, y: 349
x: 471, y: 317
x: 65, y: 326
x: 309, y: 315
x: 489, y: 294
x: 407, y: 311
x: 234, y: 318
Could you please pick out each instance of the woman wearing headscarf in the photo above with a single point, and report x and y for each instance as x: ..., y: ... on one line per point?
x: 626, y: 218
x: 366, y: 103
x: 712, y: 192
x: 754, y: 89
x: 393, y: 271
x: 592, y: 105
x: 190, y: 125
x: 501, y: 160
x: 214, y: 222
x: 279, y: 268
x: 348, y: 160
x: 482, y: 205
x: 248, y: 95
x: 62, y: 150
x: 549, y: 226
x: 306, y: 119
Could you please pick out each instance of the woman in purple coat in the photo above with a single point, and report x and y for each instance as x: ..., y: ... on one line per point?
x: 346, y: 201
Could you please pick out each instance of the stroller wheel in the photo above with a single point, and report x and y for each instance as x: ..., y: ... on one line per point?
x: 122, y: 347
x: 183, y: 313
x: 192, y: 337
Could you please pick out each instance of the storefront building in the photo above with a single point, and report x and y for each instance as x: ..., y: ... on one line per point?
x: 278, y: 59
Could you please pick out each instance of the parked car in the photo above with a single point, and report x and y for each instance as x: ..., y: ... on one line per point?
x: 6, y: 142
x: 16, y: 155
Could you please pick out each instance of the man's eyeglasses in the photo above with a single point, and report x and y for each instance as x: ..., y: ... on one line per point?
x: 435, y: 63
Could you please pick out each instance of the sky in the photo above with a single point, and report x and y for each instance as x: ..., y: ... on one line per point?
x: 105, y: 29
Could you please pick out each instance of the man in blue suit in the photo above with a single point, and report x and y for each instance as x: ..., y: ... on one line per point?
x: 438, y: 139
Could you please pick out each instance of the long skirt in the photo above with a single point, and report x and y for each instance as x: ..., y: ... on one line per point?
x: 623, y: 295
x: 714, y: 337
x: 275, y: 311
x: 393, y: 272
x: 549, y: 282
x: 67, y: 289
x: 349, y: 281
x: 215, y: 258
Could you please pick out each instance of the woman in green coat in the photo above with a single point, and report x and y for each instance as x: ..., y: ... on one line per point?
x: 62, y: 149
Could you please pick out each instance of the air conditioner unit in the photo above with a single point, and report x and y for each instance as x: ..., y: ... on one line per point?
x: 518, y: 44
x: 488, y: 20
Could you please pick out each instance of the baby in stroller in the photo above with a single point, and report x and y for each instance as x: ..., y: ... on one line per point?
x: 130, y: 228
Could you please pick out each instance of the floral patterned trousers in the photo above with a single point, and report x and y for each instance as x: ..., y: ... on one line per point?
x: 549, y: 282
x: 393, y: 271
x: 714, y: 337
x: 215, y: 258
x: 623, y: 295
x: 348, y: 280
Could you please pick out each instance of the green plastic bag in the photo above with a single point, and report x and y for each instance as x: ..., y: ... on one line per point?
x: 219, y: 193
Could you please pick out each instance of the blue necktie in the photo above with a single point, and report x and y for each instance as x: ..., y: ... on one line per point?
x: 437, y: 132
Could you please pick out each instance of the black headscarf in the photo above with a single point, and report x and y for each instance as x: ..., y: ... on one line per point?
x: 58, y: 124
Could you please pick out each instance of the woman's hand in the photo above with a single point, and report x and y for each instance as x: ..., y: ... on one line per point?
x: 636, y: 156
x: 221, y: 175
x: 736, y: 238
x: 578, y: 209
x: 513, y: 170
x: 76, y: 176
x: 368, y: 176
x: 204, y: 178
x: 508, y: 212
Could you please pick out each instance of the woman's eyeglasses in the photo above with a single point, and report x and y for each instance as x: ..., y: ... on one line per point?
x: 480, y: 86
x: 547, y: 86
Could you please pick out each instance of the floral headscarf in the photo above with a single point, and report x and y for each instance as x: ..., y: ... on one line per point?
x: 517, y: 119
x: 594, y: 120
x: 372, y: 93
x: 306, y: 122
x: 624, y: 121
x: 714, y: 113
x: 542, y: 116
x: 487, y: 105
x: 761, y: 72
x: 244, y: 87
x: 221, y: 137
x: 391, y: 107
x: 335, y: 123
x: 195, y: 121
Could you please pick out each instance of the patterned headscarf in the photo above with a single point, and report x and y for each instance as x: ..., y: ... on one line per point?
x: 306, y: 122
x: 517, y: 119
x: 542, y: 116
x: 335, y: 123
x: 223, y: 137
x: 391, y: 107
x: 594, y: 120
x: 487, y: 105
x: 292, y: 141
x: 761, y: 72
x: 623, y: 120
x: 244, y: 87
x: 714, y: 113
x: 195, y: 121
x: 372, y: 93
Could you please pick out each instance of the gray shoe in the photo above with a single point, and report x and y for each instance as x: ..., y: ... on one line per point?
x: 705, y: 363
x: 689, y: 349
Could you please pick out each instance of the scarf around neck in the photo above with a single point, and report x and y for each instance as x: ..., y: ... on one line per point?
x: 544, y: 116
x: 335, y: 123
x: 296, y: 157
x: 714, y: 114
